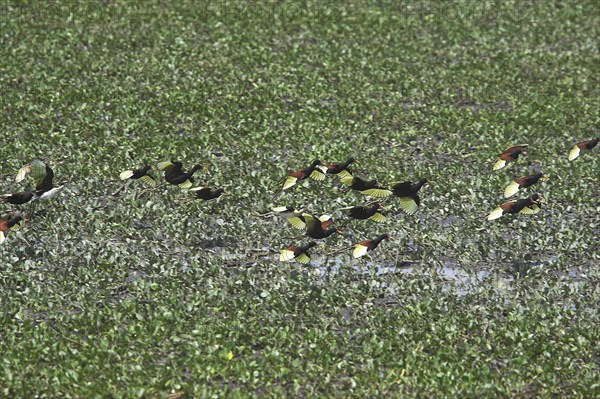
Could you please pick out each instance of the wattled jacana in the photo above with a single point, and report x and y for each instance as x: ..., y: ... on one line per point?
x: 408, y: 194
x: 366, y: 187
x: 527, y: 206
x: 206, y: 194
x: 302, y: 174
x: 174, y: 173
x: 361, y: 248
x: 298, y: 253
x: 373, y: 212
x: 509, y: 155
x: 340, y: 169
x: 18, y: 198
x: 582, y: 145
x: 317, y: 229
x: 141, y: 173
x: 6, y: 223
x: 523, y: 182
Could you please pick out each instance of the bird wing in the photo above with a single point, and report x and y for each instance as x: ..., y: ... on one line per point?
x: 511, y: 189
x: 500, y: 163
x: 360, y: 249
x: 574, y: 153
x: 377, y: 192
x: 286, y: 254
x: 317, y: 175
x: 408, y: 205
x: 347, y: 180
x: 303, y: 258
x: 289, y: 182
x: 148, y: 180
x: 126, y: 174
x: 496, y: 213
x: 378, y: 217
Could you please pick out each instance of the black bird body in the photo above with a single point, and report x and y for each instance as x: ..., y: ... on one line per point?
x: 298, y: 253
x: 141, y: 173
x: 340, y: 169
x: 304, y: 173
x: 408, y: 194
x: 362, y: 247
x: 18, y: 198
x: 373, y: 212
x: 317, y: 229
x: 366, y: 187
x: 175, y: 175
x: 206, y: 194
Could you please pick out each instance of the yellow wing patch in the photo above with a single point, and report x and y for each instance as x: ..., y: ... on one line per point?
x: 343, y: 174
x: 500, y: 163
x: 317, y: 175
x: 148, y: 180
x: 289, y: 182
x: 495, y: 214
x: 511, y: 189
x: 126, y: 174
x: 574, y: 153
x: 2, y: 237
x: 359, y: 250
x: 347, y: 180
x: 22, y: 173
x: 303, y: 258
x: 530, y: 210
x: 186, y: 184
x: 377, y: 192
x: 163, y: 165
x: 378, y: 217
x: 285, y: 255
x: 297, y: 223
x: 408, y: 205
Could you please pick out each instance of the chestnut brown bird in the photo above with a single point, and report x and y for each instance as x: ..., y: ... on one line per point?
x: 141, y: 173
x: 298, y: 253
x: 340, y: 169
x: 206, y: 194
x: 18, y: 198
x: 174, y: 173
x: 582, y: 145
x: 6, y: 223
x: 361, y: 248
x: 318, y: 227
x: 373, y: 212
x: 509, y: 155
x: 408, y: 195
x: 366, y: 187
x: 301, y: 174
x: 527, y: 206
x: 523, y: 182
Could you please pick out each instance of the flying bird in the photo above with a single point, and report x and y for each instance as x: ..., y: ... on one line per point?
x: 527, y: 206
x: 361, y: 248
x: 582, y: 145
x: 408, y: 195
x: 509, y: 155
x: 299, y: 253
x: 523, y: 182
x: 175, y: 175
